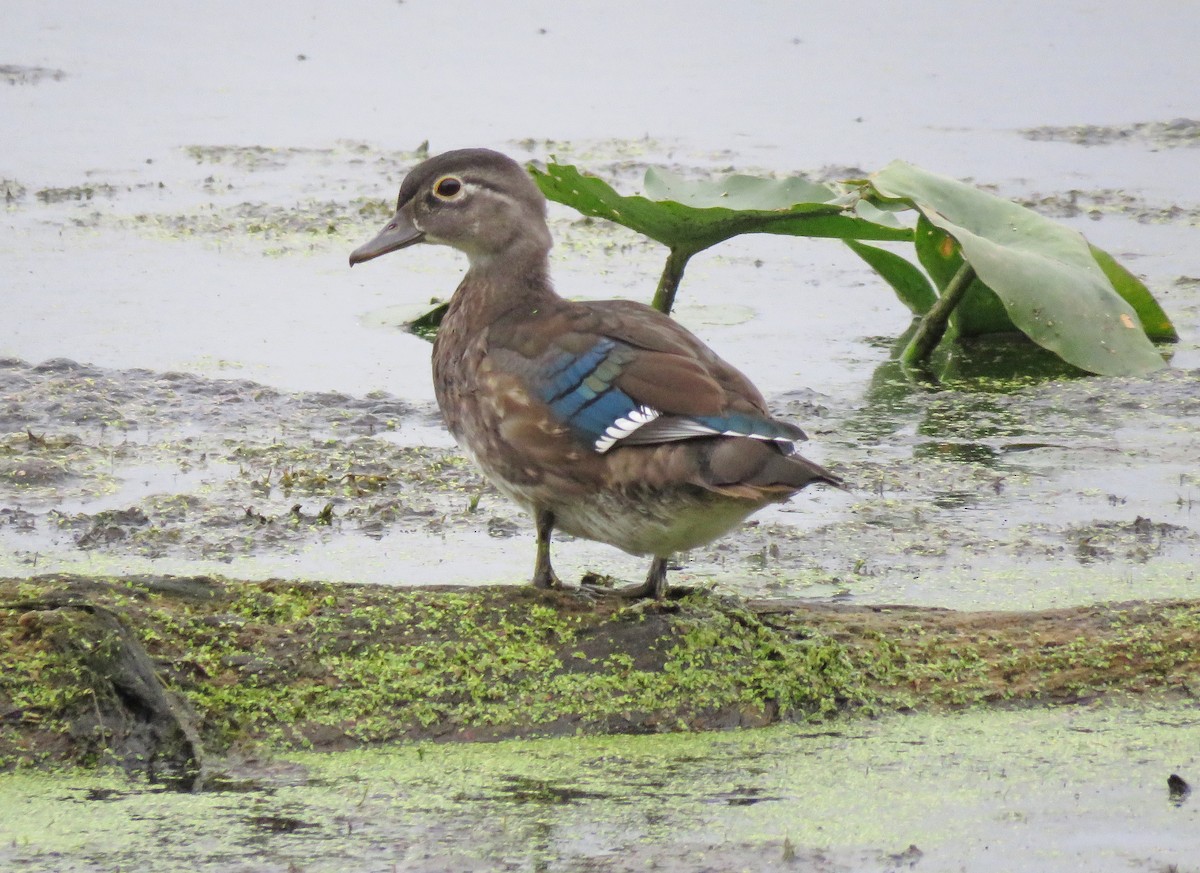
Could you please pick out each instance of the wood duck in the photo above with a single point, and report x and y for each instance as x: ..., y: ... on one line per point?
x: 604, y: 419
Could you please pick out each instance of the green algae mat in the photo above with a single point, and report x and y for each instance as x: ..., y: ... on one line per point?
x: 168, y: 675
x: 1048, y: 788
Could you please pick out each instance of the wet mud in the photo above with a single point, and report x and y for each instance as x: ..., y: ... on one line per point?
x: 110, y: 468
x: 170, y: 465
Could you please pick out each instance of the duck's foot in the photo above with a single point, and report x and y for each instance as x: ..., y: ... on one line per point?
x: 597, y: 586
x: 655, y: 585
x: 545, y: 579
x: 604, y: 590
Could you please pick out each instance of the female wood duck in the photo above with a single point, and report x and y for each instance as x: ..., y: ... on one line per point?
x: 607, y: 420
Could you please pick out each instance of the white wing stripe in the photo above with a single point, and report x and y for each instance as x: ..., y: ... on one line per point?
x: 625, y: 426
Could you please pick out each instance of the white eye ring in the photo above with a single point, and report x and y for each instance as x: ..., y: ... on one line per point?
x: 448, y: 188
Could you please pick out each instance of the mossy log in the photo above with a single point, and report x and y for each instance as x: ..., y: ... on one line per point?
x: 148, y: 671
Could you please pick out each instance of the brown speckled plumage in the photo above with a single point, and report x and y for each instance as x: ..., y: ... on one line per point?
x: 607, y: 420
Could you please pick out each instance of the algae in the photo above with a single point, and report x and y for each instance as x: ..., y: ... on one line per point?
x: 306, y: 665
x: 1177, y: 133
x: 295, y: 664
x: 1067, y: 788
x: 19, y: 74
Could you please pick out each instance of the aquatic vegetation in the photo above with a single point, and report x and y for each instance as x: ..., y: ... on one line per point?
x: 94, y: 670
x: 986, y: 265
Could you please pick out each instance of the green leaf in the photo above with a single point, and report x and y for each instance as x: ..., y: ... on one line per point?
x: 906, y: 279
x: 980, y: 312
x: 1154, y: 321
x: 427, y: 323
x: 737, y: 191
x: 871, y: 212
x: 1044, y: 274
x: 690, y: 228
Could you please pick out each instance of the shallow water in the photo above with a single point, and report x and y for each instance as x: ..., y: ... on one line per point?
x: 200, y: 221
x: 1067, y: 789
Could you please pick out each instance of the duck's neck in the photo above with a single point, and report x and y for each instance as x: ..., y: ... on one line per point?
x: 496, y: 285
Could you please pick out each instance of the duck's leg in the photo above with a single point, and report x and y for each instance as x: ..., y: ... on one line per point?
x: 656, y: 579
x: 544, y: 576
x: 655, y: 585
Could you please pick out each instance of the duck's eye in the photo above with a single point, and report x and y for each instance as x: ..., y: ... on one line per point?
x: 448, y: 187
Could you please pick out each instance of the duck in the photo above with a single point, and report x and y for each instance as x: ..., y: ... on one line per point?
x: 606, y: 420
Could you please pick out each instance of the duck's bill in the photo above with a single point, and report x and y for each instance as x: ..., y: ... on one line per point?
x: 399, y: 233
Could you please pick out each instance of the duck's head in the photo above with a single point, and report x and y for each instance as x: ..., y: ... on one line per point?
x: 476, y: 200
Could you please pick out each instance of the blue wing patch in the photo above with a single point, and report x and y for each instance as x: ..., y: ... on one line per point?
x: 580, y: 391
x: 740, y: 424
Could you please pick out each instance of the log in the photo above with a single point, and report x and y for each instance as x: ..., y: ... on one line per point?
x: 148, y: 672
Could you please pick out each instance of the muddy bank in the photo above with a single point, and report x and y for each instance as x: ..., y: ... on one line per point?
x: 168, y: 674
x: 130, y: 498
x: 991, y: 492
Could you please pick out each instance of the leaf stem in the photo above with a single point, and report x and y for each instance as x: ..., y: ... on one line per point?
x: 933, y: 326
x: 672, y: 274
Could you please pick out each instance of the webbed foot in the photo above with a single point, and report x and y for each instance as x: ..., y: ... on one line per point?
x: 655, y: 585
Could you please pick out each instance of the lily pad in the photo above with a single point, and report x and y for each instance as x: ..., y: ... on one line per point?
x: 737, y: 191
x: 1154, y: 320
x: 906, y: 279
x: 980, y: 312
x: 421, y: 319
x: 689, y: 219
x: 1044, y: 274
